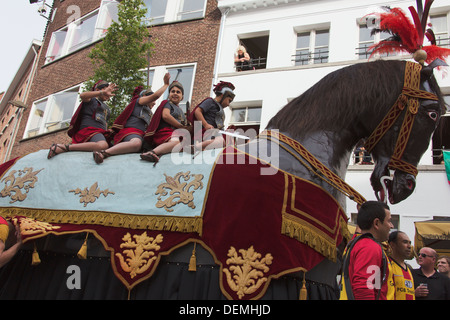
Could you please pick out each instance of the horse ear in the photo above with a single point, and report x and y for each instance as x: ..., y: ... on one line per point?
x: 427, y: 71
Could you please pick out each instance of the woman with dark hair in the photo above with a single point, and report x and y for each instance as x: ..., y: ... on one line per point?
x: 164, y: 132
x: 88, y: 126
x: 131, y: 124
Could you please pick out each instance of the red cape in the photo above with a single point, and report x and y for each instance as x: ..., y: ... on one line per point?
x: 122, y: 119
x: 154, y: 122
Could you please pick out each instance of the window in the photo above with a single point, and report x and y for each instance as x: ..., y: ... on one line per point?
x: 440, y: 28
x: 53, y: 112
x: 191, y: 9
x: 245, y: 119
x: 107, y: 14
x: 184, y: 75
x: 156, y: 10
x: 82, y: 32
x: 256, y: 48
x: 61, y: 109
x: 36, y: 116
x: 441, y: 136
x: 312, y: 47
x: 245, y: 115
x: 366, y: 40
x: 165, y: 11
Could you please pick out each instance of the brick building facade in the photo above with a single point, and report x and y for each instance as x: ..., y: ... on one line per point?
x: 183, y: 41
x: 13, y: 102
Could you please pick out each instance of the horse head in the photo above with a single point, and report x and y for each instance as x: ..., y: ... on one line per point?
x: 407, y: 138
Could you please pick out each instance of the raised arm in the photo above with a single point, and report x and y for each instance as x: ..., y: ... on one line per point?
x: 103, y: 94
x: 158, y: 93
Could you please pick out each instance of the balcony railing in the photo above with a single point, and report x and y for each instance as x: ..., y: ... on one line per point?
x: 252, y: 64
x: 304, y: 58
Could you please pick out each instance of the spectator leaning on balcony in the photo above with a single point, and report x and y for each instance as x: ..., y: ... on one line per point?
x: 242, y: 59
x: 88, y: 126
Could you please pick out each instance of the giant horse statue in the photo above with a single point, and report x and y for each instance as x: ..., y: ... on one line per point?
x: 261, y: 220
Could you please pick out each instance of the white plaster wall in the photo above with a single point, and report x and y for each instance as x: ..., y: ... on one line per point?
x: 282, y: 80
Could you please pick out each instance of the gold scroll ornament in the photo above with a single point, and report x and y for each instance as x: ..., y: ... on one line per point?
x: 91, y: 195
x: 25, y: 180
x: 248, y: 270
x: 140, y: 253
x: 30, y: 226
x: 177, y: 187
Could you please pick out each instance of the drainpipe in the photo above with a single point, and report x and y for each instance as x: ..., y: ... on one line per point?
x: 219, y: 44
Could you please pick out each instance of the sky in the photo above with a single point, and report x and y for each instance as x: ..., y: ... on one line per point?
x: 20, y: 23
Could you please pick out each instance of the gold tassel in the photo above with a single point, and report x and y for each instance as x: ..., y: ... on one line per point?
x: 35, y: 257
x: 82, y: 253
x: 303, y: 291
x: 193, y: 261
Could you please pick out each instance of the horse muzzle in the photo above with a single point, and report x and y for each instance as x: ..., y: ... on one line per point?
x: 394, y: 188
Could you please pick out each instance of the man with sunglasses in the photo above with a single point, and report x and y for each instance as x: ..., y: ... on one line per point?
x: 430, y: 284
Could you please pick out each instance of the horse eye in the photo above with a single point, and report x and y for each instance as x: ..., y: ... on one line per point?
x: 433, y: 115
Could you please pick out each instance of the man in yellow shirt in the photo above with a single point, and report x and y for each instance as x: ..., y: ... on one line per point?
x: 402, y: 278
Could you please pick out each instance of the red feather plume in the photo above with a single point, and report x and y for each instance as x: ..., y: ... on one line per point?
x: 408, y: 36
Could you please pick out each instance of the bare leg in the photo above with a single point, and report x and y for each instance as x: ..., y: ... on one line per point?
x: 89, y: 146
x: 218, y: 142
x: 134, y: 145
x: 166, y: 147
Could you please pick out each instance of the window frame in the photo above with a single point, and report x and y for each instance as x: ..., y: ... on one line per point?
x: 187, y: 96
x: 446, y: 32
x: 376, y: 38
x: 174, y: 13
x: 313, y: 49
x: 98, y: 32
x: 42, y: 127
x: 245, y: 106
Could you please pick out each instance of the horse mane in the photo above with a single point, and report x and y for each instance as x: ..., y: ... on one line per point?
x: 339, y: 98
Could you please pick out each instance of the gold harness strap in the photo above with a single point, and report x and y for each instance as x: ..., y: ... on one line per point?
x: 409, y: 98
x: 313, y: 164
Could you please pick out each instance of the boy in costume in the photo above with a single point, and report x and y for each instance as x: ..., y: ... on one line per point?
x: 131, y: 124
x: 88, y: 126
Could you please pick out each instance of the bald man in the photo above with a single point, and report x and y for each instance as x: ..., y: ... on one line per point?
x: 430, y: 284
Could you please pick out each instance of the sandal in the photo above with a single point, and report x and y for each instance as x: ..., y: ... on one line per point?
x: 150, y: 156
x: 52, y: 150
x: 99, y: 156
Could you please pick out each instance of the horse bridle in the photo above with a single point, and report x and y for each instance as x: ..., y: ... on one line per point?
x: 408, y: 100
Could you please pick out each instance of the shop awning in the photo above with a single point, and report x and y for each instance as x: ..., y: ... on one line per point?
x: 434, y: 234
